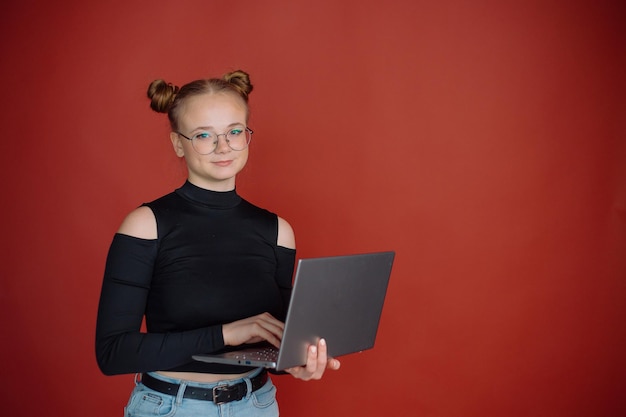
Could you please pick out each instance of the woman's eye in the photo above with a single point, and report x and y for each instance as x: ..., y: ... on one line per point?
x: 235, y: 132
x: 202, y: 136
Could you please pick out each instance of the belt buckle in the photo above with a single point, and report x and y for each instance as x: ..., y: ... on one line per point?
x: 215, y: 393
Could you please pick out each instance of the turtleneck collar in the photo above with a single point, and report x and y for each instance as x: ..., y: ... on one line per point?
x: 208, y: 198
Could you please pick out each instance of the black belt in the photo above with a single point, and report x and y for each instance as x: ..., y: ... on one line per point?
x: 219, y: 394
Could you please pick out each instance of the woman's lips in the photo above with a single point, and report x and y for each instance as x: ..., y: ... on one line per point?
x: 223, y: 163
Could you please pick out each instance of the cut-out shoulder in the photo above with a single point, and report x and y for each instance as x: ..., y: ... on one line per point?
x: 286, y: 237
x: 140, y: 223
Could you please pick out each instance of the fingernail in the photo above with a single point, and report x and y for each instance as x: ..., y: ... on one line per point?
x: 313, y: 349
x: 323, y: 342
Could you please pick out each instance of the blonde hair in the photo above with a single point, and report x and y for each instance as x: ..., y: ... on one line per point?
x: 168, y: 98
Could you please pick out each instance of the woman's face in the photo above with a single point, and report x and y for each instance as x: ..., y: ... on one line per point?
x: 217, y: 113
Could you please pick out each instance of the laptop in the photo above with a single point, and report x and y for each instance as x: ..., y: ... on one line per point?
x: 338, y: 298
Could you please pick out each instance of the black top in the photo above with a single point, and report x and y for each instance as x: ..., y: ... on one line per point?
x: 215, y: 261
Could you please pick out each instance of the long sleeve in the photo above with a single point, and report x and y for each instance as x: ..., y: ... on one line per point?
x: 121, y: 346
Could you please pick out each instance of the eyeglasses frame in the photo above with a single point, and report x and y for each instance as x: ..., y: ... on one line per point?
x: 247, y: 129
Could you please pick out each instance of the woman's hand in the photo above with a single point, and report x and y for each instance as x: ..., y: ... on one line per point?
x: 253, y: 330
x: 316, y: 363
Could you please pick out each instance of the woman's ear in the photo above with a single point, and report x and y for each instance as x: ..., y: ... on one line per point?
x: 177, y: 143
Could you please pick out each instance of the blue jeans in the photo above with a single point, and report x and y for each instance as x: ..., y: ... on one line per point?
x: 145, y: 402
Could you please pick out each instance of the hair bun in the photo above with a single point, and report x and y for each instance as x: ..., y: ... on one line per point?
x: 240, y: 80
x: 161, y: 95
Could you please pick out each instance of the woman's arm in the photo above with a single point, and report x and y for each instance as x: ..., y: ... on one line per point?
x: 286, y: 237
x: 121, y: 347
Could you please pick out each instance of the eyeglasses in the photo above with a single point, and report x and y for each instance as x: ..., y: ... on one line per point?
x: 205, y: 142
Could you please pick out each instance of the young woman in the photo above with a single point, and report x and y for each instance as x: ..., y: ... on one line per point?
x: 206, y: 268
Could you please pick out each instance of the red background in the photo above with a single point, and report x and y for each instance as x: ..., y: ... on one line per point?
x: 484, y: 141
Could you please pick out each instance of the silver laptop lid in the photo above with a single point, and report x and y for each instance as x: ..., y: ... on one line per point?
x: 339, y: 299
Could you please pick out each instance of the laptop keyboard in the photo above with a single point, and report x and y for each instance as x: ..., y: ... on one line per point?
x: 261, y: 354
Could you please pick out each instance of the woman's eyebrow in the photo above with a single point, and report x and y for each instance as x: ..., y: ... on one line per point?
x: 212, y: 128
